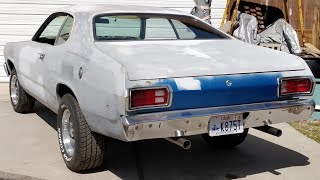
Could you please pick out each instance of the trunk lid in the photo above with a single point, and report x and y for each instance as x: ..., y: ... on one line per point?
x: 190, y: 58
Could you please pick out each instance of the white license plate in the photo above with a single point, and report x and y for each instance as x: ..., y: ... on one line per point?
x: 226, y: 124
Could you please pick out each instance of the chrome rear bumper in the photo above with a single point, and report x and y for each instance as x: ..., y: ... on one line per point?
x: 5, y: 66
x: 195, y: 121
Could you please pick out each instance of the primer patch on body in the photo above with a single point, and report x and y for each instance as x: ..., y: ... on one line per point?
x: 193, y: 52
x: 188, y: 83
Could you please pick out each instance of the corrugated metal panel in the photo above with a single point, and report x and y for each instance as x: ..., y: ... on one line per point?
x: 17, y: 30
x: 3, y: 76
x: 1, y: 50
x: 19, y: 19
x: 4, y: 79
x: 13, y: 19
x: 217, y: 11
x: 42, y: 9
x: 28, y: 8
x: 9, y: 38
x: 158, y: 3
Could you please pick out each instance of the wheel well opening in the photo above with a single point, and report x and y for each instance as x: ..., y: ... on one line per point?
x: 63, y: 90
x: 10, y: 65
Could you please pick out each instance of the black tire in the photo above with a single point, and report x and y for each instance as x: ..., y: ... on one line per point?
x: 89, y: 147
x: 24, y: 102
x: 226, y: 141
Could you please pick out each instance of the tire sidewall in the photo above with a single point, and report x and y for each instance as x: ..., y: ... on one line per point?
x: 14, y: 72
x: 67, y: 102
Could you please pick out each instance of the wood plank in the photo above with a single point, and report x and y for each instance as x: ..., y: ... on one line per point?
x: 316, y: 26
x: 312, y: 48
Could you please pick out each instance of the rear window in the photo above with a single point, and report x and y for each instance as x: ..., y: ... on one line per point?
x: 152, y: 27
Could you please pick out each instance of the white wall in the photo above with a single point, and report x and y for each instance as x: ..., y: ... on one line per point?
x: 19, y: 19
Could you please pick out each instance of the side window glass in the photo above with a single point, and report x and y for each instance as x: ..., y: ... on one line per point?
x: 183, y: 31
x: 50, y: 33
x: 65, y: 31
x: 159, y: 28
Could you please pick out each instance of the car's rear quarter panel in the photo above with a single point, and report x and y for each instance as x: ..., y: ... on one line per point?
x: 101, y: 94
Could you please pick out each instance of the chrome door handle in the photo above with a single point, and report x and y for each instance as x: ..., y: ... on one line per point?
x: 41, y: 56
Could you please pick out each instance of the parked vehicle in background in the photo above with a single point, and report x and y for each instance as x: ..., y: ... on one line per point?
x: 133, y: 73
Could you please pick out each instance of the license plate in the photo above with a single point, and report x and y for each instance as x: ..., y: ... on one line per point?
x: 226, y: 124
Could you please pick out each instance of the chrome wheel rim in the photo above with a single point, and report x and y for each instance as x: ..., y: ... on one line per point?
x: 68, y: 132
x: 14, y: 90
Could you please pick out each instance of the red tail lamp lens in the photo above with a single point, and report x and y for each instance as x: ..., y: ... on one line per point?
x: 149, y: 97
x: 296, y: 86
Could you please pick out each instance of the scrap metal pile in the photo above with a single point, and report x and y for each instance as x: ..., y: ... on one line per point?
x: 202, y: 10
x: 280, y: 32
x: 279, y: 35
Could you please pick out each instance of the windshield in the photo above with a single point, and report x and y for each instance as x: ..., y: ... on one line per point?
x: 152, y: 27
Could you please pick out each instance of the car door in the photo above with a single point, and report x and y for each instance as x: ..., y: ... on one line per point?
x: 33, y: 56
x: 55, y: 57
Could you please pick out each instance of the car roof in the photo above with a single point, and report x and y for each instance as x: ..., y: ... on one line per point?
x: 116, y: 8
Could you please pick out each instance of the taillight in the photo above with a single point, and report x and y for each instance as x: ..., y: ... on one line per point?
x: 296, y: 86
x: 148, y: 98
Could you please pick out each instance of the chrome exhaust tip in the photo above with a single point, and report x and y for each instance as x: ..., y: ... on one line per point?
x: 182, y: 142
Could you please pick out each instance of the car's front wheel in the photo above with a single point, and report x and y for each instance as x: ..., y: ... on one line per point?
x: 81, y: 148
x: 226, y: 141
x: 20, y: 100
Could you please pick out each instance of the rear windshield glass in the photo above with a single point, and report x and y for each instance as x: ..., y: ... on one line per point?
x: 152, y: 27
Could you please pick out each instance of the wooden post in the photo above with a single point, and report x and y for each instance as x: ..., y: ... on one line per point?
x: 285, y: 2
x: 234, y: 15
x: 301, y: 21
x: 225, y: 14
x: 316, y: 25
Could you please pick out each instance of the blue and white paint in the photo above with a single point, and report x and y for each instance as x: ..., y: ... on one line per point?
x: 213, y: 91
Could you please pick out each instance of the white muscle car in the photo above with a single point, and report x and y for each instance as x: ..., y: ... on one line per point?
x: 134, y: 72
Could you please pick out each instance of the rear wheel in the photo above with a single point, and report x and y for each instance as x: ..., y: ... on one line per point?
x: 226, y: 141
x: 20, y: 100
x: 81, y: 148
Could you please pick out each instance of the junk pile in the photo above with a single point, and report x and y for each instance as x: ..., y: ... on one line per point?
x: 280, y: 33
x: 202, y: 10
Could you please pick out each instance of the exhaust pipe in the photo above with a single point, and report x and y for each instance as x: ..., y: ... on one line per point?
x: 270, y: 130
x: 182, y: 142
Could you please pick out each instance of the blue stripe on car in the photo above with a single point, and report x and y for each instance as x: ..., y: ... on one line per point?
x: 211, y: 91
